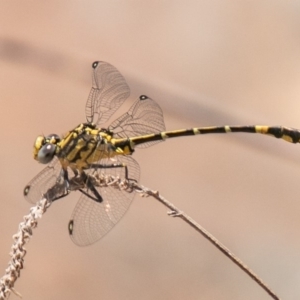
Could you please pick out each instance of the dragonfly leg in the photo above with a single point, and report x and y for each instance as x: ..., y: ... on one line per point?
x: 91, y: 187
x: 60, y: 189
x: 58, y: 197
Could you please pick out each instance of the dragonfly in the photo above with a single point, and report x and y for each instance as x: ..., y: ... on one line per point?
x: 89, y: 150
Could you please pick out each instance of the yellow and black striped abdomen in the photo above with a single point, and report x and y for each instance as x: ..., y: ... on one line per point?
x: 288, y: 134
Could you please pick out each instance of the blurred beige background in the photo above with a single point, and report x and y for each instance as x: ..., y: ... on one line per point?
x: 206, y: 63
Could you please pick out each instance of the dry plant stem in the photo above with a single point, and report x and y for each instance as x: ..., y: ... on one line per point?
x: 15, y: 265
x: 175, y: 212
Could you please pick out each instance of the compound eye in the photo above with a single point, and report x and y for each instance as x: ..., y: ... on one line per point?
x: 46, y: 153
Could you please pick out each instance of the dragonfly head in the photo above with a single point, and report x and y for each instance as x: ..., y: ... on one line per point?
x: 45, y: 147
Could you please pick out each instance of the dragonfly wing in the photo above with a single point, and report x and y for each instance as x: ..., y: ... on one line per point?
x: 108, y: 93
x: 91, y: 220
x: 48, y: 183
x: 144, y: 117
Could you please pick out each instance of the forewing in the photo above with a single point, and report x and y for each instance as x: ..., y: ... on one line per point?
x: 108, y: 93
x: 45, y: 184
x: 91, y: 220
x: 144, y: 117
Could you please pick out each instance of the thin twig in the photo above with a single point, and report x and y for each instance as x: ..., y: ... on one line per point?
x: 18, y: 252
x: 175, y: 212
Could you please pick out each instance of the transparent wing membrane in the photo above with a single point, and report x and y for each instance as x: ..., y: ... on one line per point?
x: 144, y: 117
x: 91, y: 220
x: 48, y: 183
x: 108, y: 93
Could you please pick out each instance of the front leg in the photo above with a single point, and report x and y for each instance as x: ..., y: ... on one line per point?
x: 88, y: 183
x: 60, y: 189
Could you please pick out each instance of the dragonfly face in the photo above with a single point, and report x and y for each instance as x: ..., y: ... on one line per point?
x: 45, y: 147
x: 88, y: 151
